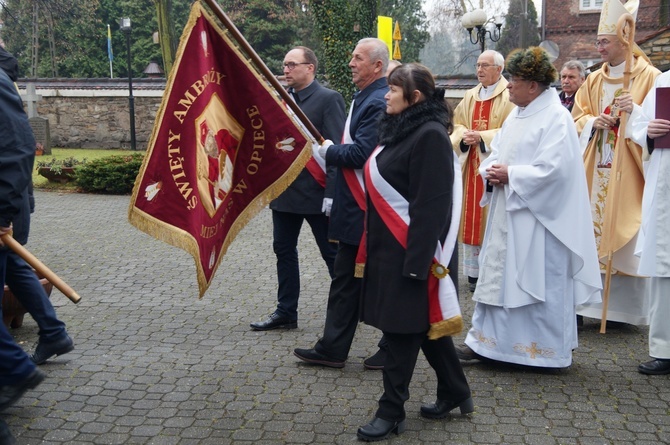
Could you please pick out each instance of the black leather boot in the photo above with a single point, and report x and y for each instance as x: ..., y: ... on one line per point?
x: 380, y: 429
x: 441, y: 408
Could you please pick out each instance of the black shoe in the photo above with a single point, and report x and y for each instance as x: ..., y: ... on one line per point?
x: 274, y: 321
x: 376, y: 362
x: 611, y: 324
x: 9, y: 394
x: 44, y: 351
x: 380, y: 429
x: 6, y: 437
x: 441, y: 408
x: 655, y: 367
x: 472, y: 283
x: 465, y: 353
x: 313, y: 357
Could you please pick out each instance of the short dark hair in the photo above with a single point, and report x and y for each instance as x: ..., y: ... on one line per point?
x: 410, y: 77
x: 310, y: 57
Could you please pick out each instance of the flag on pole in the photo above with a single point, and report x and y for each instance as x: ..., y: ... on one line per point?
x: 223, y: 146
x: 110, y: 55
x: 109, y: 44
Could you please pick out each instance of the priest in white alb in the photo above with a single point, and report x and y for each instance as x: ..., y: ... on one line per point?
x: 538, y: 259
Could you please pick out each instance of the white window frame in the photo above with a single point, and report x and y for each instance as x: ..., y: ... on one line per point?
x: 590, y: 5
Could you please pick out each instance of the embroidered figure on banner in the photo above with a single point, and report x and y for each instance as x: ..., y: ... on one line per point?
x: 218, y: 142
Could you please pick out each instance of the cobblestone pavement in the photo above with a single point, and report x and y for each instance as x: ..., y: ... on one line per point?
x: 154, y: 364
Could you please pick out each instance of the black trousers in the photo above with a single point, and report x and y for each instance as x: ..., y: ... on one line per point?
x: 286, y: 230
x: 402, y: 353
x: 342, y: 314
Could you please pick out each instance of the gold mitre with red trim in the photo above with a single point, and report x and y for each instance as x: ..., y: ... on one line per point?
x: 612, y: 11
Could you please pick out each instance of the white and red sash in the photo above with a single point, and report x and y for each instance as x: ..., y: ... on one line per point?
x: 444, y: 311
x: 315, y: 165
x: 354, y: 179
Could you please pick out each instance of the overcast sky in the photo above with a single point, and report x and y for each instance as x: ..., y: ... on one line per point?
x: 538, y: 6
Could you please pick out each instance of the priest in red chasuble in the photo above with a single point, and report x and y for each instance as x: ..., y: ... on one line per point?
x: 476, y: 121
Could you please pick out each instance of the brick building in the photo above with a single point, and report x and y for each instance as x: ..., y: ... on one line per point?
x: 573, y: 24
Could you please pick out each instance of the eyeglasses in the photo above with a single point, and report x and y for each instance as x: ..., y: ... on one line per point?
x: 291, y: 65
x: 483, y: 65
x: 601, y: 43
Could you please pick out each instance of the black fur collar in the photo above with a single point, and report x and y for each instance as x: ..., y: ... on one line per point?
x: 394, y: 128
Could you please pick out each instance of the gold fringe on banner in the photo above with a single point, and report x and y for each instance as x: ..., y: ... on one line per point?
x: 446, y: 328
x: 178, y: 237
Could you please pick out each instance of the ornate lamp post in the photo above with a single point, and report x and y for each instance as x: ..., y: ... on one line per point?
x: 124, y: 25
x: 477, y: 19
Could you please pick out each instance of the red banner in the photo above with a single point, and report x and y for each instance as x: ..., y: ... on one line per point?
x: 223, y: 146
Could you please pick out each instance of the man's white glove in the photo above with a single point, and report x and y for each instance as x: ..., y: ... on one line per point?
x: 327, y: 205
x: 323, y: 148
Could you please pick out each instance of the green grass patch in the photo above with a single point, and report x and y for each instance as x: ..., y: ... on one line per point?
x: 78, y: 153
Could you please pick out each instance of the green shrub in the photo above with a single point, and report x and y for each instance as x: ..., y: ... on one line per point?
x: 112, y: 174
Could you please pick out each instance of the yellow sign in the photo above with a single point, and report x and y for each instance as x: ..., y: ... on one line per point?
x: 396, y: 51
x: 384, y: 30
x: 396, y: 31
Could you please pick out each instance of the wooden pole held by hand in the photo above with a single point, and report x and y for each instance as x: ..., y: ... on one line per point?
x: 262, y: 67
x: 40, y: 267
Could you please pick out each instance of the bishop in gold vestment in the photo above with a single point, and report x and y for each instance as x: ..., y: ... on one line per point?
x: 596, y: 116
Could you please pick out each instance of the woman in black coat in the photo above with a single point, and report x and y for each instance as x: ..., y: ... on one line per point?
x: 414, y: 166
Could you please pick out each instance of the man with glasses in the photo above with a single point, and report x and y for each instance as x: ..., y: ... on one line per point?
x: 477, y: 119
x: 616, y: 198
x: 538, y: 260
x: 310, y: 196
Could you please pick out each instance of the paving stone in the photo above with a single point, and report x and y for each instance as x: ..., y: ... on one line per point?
x: 154, y: 364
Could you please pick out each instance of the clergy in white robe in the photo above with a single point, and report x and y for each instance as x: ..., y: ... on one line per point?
x: 653, y: 242
x: 539, y: 258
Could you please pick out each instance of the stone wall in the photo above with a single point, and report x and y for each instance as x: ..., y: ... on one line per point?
x: 94, y: 113
x: 657, y: 47
x: 98, y: 122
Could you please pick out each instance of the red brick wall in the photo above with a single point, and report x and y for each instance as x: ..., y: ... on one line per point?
x: 574, y: 31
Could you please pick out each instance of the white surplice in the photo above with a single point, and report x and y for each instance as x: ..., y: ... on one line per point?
x: 539, y: 257
x: 653, y: 243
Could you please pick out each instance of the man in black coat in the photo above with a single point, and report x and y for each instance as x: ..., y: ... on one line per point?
x: 368, y: 65
x: 17, y: 154
x: 310, y: 196
x: 20, y: 277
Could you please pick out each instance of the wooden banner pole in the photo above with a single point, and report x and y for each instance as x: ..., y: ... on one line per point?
x: 40, y: 267
x: 258, y: 62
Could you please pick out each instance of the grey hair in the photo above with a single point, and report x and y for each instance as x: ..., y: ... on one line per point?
x: 498, y: 59
x: 575, y: 65
x: 379, y: 51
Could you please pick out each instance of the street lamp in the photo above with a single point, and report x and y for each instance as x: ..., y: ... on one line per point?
x: 124, y: 25
x: 477, y: 19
